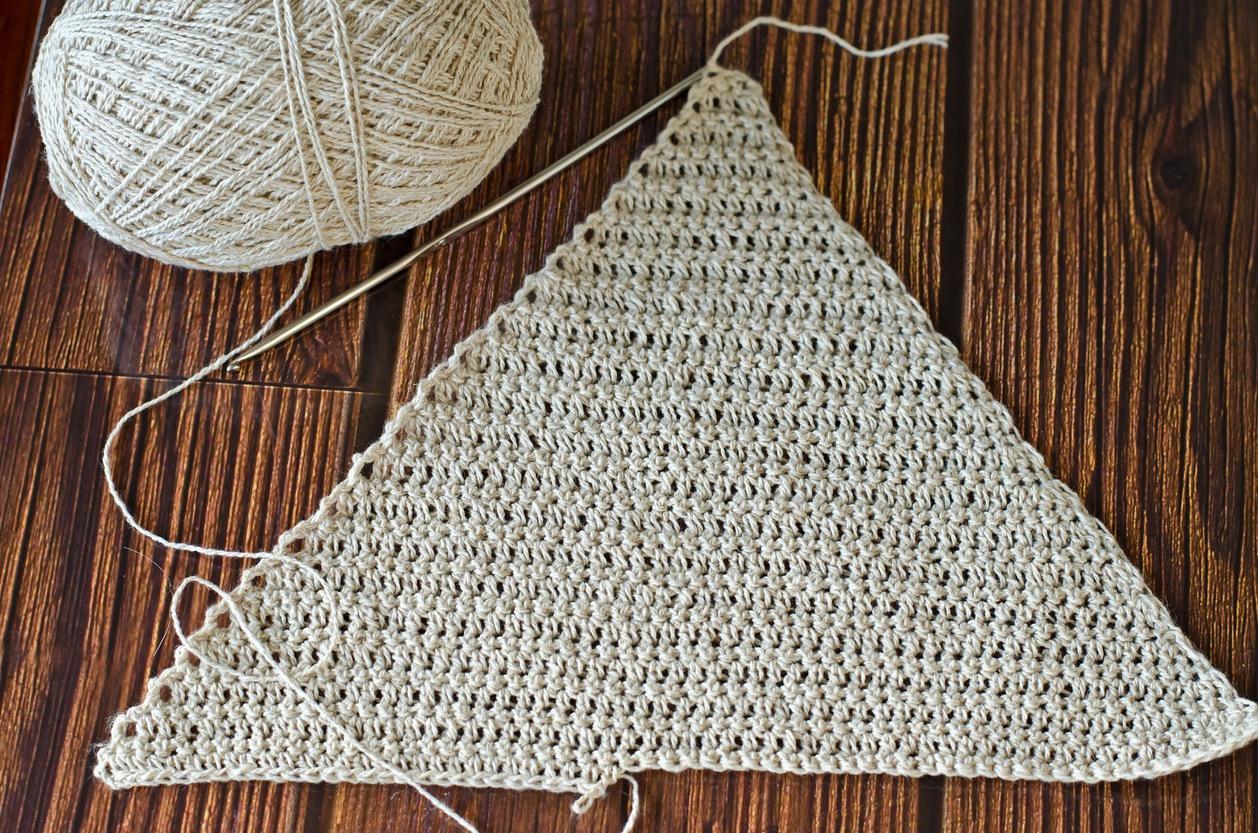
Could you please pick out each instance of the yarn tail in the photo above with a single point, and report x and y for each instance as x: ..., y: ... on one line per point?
x: 932, y: 39
x: 108, y: 449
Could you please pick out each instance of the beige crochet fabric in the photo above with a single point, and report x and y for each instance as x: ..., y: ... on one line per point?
x: 709, y: 493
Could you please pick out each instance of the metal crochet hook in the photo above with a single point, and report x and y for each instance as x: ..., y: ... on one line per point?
x: 532, y: 183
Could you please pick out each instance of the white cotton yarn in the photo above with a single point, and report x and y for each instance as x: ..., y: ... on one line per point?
x: 233, y: 135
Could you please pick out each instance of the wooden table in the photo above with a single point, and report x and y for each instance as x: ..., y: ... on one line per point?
x: 1070, y: 192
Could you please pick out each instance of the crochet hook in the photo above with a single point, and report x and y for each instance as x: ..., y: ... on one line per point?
x: 401, y: 264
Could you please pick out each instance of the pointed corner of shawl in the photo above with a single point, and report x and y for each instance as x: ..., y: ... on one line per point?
x: 129, y: 756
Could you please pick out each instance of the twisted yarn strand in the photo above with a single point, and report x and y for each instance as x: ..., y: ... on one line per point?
x: 930, y: 39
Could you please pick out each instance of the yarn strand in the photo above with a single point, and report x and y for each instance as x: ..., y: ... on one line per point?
x: 932, y: 39
x: 213, y: 366
x: 634, y: 802
x: 128, y: 516
x: 242, y: 622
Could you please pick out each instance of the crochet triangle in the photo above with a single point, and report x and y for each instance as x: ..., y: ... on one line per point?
x: 710, y: 492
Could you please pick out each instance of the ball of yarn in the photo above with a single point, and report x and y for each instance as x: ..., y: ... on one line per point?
x: 237, y: 134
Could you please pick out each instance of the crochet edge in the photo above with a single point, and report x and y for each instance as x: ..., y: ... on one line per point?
x: 1248, y: 732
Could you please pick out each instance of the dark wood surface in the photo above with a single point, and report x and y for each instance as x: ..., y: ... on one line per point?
x: 1070, y: 192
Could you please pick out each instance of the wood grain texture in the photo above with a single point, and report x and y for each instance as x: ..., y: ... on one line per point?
x: 84, y: 603
x: 17, y: 38
x: 1112, y: 303
x: 1068, y: 192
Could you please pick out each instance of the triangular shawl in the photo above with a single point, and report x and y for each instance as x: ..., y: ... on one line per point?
x: 710, y: 492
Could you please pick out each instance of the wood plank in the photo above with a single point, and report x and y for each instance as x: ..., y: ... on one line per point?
x: 84, y: 603
x: 17, y: 35
x: 872, y: 133
x: 1112, y: 304
x: 70, y: 300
